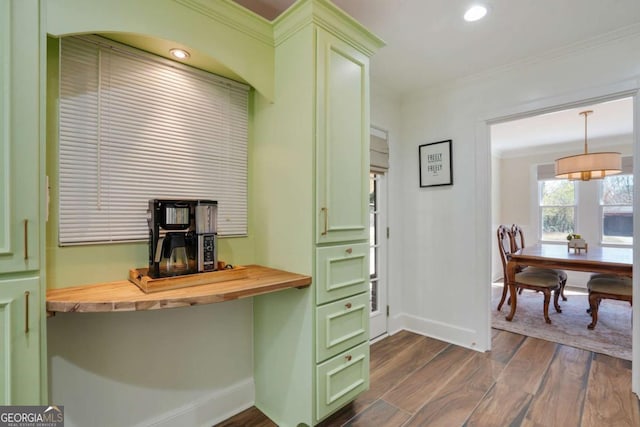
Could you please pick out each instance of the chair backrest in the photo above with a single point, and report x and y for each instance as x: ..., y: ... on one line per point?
x: 504, y: 246
x: 517, y: 238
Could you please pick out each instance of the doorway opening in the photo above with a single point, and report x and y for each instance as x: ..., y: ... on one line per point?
x: 523, y: 151
x: 378, y: 233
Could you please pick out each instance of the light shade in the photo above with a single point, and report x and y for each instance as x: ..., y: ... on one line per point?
x: 588, y: 166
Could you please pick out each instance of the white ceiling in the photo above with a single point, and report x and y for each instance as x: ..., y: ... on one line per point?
x: 428, y: 44
x: 611, y: 123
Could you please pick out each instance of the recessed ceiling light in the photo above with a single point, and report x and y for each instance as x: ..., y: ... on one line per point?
x: 475, y: 13
x: 179, y: 53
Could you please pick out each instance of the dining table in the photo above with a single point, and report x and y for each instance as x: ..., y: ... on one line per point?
x: 598, y: 259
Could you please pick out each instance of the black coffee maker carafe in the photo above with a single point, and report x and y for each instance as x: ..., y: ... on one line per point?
x: 174, y: 259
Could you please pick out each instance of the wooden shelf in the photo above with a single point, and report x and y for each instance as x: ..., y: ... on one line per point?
x: 125, y: 296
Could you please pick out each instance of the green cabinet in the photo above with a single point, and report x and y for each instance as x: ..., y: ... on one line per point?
x: 20, y: 132
x: 21, y: 192
x: 20, y: 379
x: 341, y: 325
x: 311, y: 349
x: 342, y: 150
x: 341, y: 270
x: 342, y: 379
x: 342, y: 223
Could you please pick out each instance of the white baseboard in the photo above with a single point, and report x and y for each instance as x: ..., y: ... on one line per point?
x: 379, y: 338
x: 209, y: 409
x: 218, y: 406
x: 463, y: 337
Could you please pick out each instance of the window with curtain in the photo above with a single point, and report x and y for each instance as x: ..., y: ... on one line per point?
x: 134, y: 127
x: 378, y: 151
x: 379, y: 165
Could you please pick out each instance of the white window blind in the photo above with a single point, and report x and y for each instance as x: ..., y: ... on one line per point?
x: 134, y: 127
x: 379, y: 151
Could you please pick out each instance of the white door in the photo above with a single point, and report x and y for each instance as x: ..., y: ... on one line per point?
x: 378, y: 253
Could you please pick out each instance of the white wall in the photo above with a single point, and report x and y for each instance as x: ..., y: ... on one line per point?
x: 447, y: 239
x: 184, y: 366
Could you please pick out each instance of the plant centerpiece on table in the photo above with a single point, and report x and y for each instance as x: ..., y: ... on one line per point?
x: 576, y: 242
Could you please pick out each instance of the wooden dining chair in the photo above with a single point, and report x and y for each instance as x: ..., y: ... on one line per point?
x: 517, y: 243
x: 542, y: 281
x: 604, y: 286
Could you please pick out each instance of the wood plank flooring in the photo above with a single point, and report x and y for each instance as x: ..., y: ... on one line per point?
x: 523, y: 381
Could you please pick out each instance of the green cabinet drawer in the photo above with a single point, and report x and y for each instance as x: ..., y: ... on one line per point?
x: 341, y: 271
x: 341, y: 325
x: 341, y: 379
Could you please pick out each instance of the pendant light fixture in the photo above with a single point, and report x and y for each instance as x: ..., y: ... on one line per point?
x: 588, y: 165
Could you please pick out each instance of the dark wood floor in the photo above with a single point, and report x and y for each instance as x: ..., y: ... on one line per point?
x: 523, y: 381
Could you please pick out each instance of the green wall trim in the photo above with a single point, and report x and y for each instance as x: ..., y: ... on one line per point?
x: 234, y: 16
x: 329, y: 17
x: 232, y: 36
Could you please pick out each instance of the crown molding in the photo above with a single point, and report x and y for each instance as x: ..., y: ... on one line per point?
x: 585, y: 45
x: 234, y: 16
x: 328, y: 16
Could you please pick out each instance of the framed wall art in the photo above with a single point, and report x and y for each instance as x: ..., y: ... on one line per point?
x: 436, y: 164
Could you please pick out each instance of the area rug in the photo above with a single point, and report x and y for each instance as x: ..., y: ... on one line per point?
x: 612, y: 335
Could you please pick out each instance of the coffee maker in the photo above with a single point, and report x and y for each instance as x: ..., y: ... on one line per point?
x: 182, y: 237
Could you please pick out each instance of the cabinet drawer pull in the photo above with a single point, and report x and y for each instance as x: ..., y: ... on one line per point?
x: 348, y: 357
x: 326, y: 221
x: 348, y: 305
x: 349, y: 250
x: 26, y: 312
x: 26, y: 239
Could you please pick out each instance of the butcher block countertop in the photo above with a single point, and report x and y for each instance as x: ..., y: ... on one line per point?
x: 126, y: 296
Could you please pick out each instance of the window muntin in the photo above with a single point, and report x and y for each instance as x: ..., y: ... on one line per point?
x: 557, y: 202
x: 374, y: 247
x: 616, y: 209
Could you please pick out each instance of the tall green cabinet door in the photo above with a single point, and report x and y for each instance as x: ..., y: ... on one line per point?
x: 21, y: 160
x: 342, y: 144
x: 20, y: 341
x: 20, y: 132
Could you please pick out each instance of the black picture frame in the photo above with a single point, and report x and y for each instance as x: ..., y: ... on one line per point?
x: 436, y: 164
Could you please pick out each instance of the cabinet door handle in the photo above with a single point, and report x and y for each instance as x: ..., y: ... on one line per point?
x: 348, y: 305
x: 26, y: 239
x: 349, y: 250
x: 26, y: 311
x: 348, y: 357
x: 326, y: 221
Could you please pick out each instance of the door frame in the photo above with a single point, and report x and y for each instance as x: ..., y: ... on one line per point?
x: 378, y: 322
x: 630, y: 88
